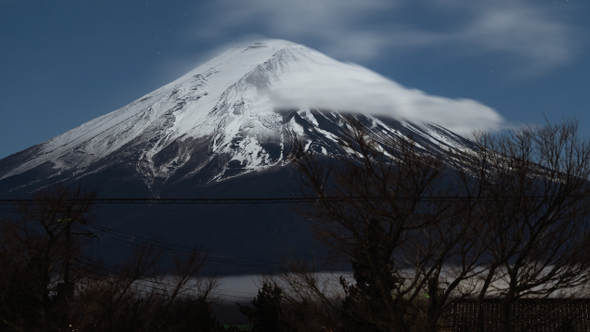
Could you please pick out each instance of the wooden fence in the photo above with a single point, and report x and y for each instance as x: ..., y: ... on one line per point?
x: 534, y: 315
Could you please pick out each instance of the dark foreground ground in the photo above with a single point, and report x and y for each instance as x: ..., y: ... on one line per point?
x: 228, y: 313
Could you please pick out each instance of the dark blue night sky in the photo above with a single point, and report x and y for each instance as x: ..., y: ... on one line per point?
x: 63, y: 63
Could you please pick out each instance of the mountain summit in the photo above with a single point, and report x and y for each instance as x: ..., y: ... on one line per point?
x: 232, y: 115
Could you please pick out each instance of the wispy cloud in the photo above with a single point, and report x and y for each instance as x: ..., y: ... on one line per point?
x: 346, y: 87
x: 534, y: 36
x: 344, y: 26
x: 532, y: 33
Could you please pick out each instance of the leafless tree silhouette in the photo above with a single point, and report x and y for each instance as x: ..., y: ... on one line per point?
x: 47, y: 285
x: 506, y: 217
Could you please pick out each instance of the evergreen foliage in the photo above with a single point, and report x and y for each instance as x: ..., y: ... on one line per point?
x: 266, y: 311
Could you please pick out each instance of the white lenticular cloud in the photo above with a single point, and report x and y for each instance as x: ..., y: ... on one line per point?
x: 350, y: 88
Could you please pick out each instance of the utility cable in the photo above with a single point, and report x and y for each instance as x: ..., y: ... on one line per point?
x: 183, y: 248
x: 112, y: 270
x: 232, y: 260
x: 291, y: 200
x: 140, y: 243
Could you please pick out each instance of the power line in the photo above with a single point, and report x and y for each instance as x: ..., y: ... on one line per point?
x: 184, y: 201
x: 283, y: 200
x: 225, y: 259
x: 209, y: 259
x: 112, y: 270
x: 180, y: 247
x: 233, y: 260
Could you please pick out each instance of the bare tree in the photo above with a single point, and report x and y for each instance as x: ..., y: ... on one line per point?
x: 532, y: 186
x: 506, y: 217
x: 378, y: 207
x: 311, y: 298
x: 37, y: 250
x: 138, y: 295
x: 46, y: 284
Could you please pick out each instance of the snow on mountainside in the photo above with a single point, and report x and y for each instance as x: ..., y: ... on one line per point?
x: 220, y: 117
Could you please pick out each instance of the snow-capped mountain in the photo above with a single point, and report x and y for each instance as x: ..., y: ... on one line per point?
x: 220, y: 131
x: 217, y: 121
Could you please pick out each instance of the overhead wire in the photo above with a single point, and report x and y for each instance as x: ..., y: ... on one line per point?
x: 192, y: 201
x: 113, y: 271
x: 212, y: 256
x: 282, y: 200
x: 184, y: 251
x: 181, y: 247
x: 211, y: 259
